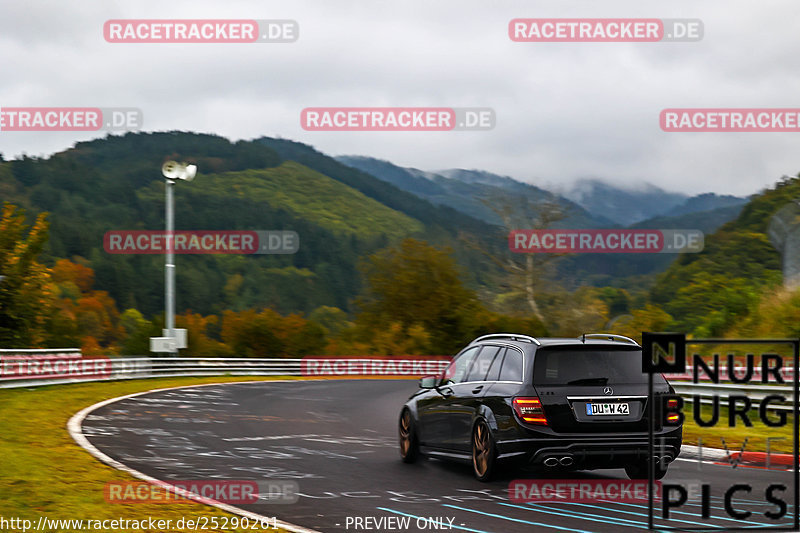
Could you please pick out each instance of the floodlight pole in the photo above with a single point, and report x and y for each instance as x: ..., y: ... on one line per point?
x: 169, y: 264
x: 173, y: 339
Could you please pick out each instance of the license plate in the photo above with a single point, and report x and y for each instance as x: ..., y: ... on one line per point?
x: 594, y: 409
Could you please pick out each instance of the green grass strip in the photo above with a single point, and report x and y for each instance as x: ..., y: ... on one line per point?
x: 44, y: 472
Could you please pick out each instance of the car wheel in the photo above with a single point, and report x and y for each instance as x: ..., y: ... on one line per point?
x: 638, y: 470
x: 409, y: 446
x: 484, y: 454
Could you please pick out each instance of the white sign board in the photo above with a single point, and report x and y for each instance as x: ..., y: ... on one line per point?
x: 180, y: 337
x: 162, y: 344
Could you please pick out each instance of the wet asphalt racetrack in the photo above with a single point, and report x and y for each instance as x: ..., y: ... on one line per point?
x: 337, y: 440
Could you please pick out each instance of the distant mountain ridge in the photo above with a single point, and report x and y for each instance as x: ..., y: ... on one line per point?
x: 628, y: 205
x: 589, y: 203
x: 707, y: 202
x: 479, y: 194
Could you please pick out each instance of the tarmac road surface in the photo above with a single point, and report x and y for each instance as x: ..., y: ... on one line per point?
x: 335, y: 442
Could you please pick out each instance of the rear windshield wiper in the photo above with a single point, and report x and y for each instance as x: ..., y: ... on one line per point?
x: 588, y: 381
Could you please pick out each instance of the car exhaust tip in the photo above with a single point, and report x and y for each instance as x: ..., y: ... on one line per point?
x: 566, y: 460
x: 550, y: 461
x: 656, y: 459
x: 666, y: 459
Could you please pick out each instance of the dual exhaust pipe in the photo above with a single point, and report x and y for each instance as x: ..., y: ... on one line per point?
x: 566, y: 460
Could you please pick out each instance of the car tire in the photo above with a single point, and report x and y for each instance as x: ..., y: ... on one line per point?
x: 409, y: 445
x: 638, y: 470
x: 484, y: 452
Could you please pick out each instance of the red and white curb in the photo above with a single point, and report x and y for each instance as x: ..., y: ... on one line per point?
x: 741, y: 458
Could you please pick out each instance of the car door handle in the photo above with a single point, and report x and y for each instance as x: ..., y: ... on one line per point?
x: 477, y: 389
x: 447, y: 392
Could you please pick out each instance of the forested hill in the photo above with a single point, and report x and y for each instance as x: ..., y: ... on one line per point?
x: 341, y: 215
x: 433, y: 216
x: 710, y: 292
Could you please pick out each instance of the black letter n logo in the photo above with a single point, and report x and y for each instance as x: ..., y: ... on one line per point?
x: 663, y: 352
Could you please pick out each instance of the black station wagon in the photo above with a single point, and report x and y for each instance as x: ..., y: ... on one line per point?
x: 578, y: 404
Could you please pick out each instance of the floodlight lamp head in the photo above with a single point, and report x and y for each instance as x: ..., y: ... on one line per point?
x: 190, y: 173
x: 172, y: 170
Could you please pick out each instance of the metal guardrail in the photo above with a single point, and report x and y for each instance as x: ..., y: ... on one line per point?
x: 25, y: 372
x: 25, y: 352
x: 32, y: 372
x: 756, y: 393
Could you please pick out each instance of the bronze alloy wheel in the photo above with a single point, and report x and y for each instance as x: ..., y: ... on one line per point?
x: 408, y: 444
x: 483, y: 453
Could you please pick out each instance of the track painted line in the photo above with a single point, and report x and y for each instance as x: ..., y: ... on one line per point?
x: 602, y: 518
x: 521, y: 521
x: 75, y: 431
x: 624, y: 522
x: 657, y: 517
x: 748, y: 501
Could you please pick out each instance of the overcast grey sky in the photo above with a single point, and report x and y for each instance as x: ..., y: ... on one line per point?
x: 564, y: 110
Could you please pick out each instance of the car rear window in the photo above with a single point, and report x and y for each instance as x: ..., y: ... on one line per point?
x: 588, y: 367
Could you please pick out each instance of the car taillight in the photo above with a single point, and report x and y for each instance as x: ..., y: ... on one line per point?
x: 530, y: 410
x: 672, y: 405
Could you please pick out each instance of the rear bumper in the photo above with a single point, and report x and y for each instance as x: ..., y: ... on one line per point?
x: 593, y: 451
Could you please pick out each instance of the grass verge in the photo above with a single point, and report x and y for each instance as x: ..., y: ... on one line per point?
x: 781, y: 438
x: 44, y: 472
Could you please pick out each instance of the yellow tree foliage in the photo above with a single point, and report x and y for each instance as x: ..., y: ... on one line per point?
x: 200, y: 341
x: 251, y: 333
x: 777, y: 315
x: 648, y: 318
x: 415, y: 285
x: 26, y: 290
x: 81, y: 311
x: 67, y: 271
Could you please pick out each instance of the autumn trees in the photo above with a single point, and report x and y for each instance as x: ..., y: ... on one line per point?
x: 26, y: 292
x: 413, y: 292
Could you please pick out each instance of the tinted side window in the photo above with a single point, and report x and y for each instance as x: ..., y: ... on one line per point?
x: 456, y: 371
x: 512, y: 367
x: 494, y: 370
x: 482, y: 363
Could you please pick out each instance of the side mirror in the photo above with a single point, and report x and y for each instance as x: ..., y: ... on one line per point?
x: 428, y: 382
